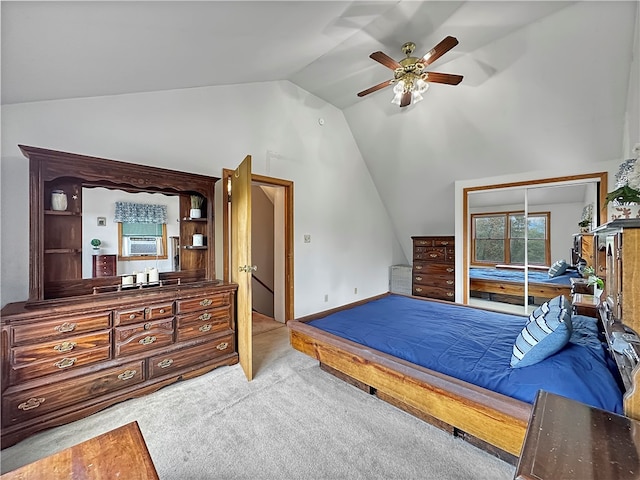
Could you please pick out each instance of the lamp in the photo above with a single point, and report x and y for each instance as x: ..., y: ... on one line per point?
x: 409, y: 83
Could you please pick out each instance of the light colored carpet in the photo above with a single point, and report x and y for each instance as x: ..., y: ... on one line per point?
x: 293, y: 421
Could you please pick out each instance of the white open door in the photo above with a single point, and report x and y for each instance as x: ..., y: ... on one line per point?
x: 241, y: 266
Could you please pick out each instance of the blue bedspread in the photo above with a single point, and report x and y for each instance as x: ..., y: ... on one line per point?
x: 475, y: 346
x: 512, y: 275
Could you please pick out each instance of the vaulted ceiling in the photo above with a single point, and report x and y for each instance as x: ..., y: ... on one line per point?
x: 546, y: 84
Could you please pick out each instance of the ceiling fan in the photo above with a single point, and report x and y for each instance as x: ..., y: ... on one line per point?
x: 408, y: 74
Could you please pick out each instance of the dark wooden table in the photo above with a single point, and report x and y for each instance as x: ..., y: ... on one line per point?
x: 567, y: 440
x: 120, y: 453
x: 585, y: 304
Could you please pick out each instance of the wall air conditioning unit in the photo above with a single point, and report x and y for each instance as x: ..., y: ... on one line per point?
x: 143, y: 246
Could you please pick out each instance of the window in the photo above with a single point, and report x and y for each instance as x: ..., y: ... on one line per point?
x: 139, y: 241
x: 498, y: 238
x: 142, y: 231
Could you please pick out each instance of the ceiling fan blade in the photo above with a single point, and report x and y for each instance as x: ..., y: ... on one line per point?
x: 448, y: 78
x: 406, y: 99
x: 375, y: 88
x: 436, y: 52
x: 385, y: 60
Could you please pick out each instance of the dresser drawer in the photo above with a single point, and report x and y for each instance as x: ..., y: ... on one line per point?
x: 195, y: 330
x: 203, y: 302
x: 38, y: 368
x: 62, y: 328
x: 209, y: 315
x: 135, y: 315
x: 143, y: 337
x: 434, y: 292
x: 425, y: 268
x: 33, y: 361
x: 433, y: 241
x: 171, y: 362
x: 33, y: 402
x: 430, y: 254
x: 443, y: 281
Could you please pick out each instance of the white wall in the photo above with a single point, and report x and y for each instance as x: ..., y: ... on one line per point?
x: 553, y: 96
x: 203, y: 130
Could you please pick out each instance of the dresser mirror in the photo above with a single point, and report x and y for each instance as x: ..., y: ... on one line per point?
x: 151, y: 246
x: 63, y: 222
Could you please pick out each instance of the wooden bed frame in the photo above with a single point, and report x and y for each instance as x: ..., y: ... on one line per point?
x: 459, y: 407
x: 543, y: 290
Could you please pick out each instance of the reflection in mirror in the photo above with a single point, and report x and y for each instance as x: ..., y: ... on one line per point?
x: 100, y: 203
x: 502, y: 273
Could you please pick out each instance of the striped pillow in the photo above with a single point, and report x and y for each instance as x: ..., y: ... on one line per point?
x: 545, y: 335
x: 557, y: 302
x: 558, y: 268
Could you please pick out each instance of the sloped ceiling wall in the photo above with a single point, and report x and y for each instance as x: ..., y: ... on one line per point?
x: 551, y: 94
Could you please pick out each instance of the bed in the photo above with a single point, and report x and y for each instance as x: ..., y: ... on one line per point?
x: 509, y: 281
x: 348, y: 341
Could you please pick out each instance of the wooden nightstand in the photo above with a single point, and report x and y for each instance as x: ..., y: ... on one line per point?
x: 569, y: 440
x: 584, y: 304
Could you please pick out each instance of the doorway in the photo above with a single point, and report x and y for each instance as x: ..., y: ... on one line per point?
x: 273, y: 289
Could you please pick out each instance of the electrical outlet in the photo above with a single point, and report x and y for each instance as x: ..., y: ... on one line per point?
x: 307, y: 239
x: 326, y: 297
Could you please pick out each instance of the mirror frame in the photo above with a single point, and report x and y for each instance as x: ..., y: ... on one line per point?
x: 48, y: 166
x: 601, y: 177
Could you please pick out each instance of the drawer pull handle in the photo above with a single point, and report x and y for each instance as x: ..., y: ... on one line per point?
x: 66, y: 362
x: 418, y: 267
x: 147, y: 326
x: 222, y: 346
x: 127, y: 374
x: 422, y: 242
x: 31, y: 404
x: 205, y: 316
x: 205, y: 328
x: 206, y: 302
x: 444, y: 243
x: 433, y: 255
x: 132, y: 316
x: 148, y: 340
x: 64, y: 347
x: 418, y: 278
x: 167, y: 362
x: 161, y: 310
x: 449, y: 282
x: 450, y: 294
x: 66, y: 327
x: 450, y: 270
x: 418, y: 289
x: 147, y: 311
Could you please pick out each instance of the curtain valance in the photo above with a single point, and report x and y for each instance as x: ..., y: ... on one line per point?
x: 140, y: 213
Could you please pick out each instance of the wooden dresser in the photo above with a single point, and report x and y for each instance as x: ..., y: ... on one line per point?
x: 434, y: 267
x: 104, y: 265
x: 67, y: 358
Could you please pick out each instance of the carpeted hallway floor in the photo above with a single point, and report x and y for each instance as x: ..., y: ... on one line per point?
x: 293, y: 421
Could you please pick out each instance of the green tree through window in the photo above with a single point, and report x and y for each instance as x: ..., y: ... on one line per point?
x: 499, y: 238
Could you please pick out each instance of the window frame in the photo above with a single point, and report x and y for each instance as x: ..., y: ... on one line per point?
x: 125, y: 258
x: 507, y: 238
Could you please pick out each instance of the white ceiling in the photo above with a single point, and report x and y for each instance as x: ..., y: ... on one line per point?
x: 56, y: 50
x: 548, y: 86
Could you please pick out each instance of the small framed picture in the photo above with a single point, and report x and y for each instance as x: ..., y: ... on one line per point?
x: 102, y: 221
